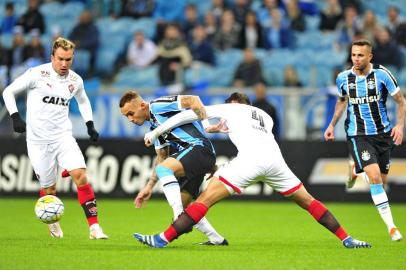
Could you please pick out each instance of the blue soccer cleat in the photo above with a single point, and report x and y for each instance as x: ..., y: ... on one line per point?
x: 151, y: 240
x: 349, y: 242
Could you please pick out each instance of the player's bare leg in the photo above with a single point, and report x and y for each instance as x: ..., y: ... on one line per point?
x: 55, y: 229
x: 87, y: 200
x: 325, y: 218
x: 214, y: 192
x: 380, y: 199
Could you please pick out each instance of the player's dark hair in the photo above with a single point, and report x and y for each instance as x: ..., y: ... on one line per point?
x: 239, y: 98
x: 127, y: 97
x: 362, y: 42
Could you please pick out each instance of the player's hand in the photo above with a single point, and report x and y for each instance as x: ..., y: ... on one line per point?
x: 143, y: 196
x: 149, y: 138
x: 93, y: 134
x: 397, y: 134
x: 19, y: 125
x: 329, y: 133
x: 220, y: 127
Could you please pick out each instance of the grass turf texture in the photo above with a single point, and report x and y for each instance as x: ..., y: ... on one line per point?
x: 262, y: 235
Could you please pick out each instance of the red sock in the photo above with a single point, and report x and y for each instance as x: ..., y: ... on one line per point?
x: 319, y: 211
x: 196, y: 211
x: 88, y: 202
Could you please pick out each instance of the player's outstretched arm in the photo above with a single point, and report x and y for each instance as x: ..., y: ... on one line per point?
x: 397, y: 131
x: 339, y: 109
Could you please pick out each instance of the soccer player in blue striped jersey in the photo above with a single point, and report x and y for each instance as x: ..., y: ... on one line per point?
x: 371, y: 136
x: 184, y: 154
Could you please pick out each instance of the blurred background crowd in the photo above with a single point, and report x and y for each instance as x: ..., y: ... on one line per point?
x: 204, y: 46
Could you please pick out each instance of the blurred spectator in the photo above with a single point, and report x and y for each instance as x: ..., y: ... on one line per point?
x: 9, y: 20
x: 251, y: 35
x: 278, y: 34
x: 249, y: 71
x: 201, y: 48
x: 263, y: 13
x: 228, y: 33
x: 348, y: 27
x: 32, y: 18
x: 16, y: 52
x: 290, y: 77
x: 396, y: 26
x: 330, y: 16
x: 217, y: 9
x: 190, y: 21
x: 34, y: 50
x: 137, y: 8
x: 141, y: 52
x: 85, y: 35
x: 295, y: 16
x: 262, y: 103
x: 173, y: 55
x: 210, y: 25
x: 240, y: 10
x: 369, y: 24
x: 386, y: 51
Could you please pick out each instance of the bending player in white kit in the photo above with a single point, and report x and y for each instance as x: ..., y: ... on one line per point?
x: 250, y: 130
x: 50, y: 142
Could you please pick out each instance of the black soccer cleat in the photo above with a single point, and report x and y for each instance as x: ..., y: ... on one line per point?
x: 209, y: 243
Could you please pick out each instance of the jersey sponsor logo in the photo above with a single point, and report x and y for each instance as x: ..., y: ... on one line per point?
x: 367, y: 99
x: 365, y: 155
x: 73, y: 78
x: 45, y: 73
x: 71, y: 88
x: 56, y: 100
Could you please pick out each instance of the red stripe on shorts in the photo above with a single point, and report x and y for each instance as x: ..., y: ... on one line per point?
x: 290, y: 191
x: 236, y: 189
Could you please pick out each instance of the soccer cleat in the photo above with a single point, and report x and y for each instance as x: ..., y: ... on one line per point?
x: 352, y: 177
x: 349, y: 242
x: 96, y: 232
x: 151, y: 240
x: 210, y: 243
x: 55, y: 230
x: 395, y: 234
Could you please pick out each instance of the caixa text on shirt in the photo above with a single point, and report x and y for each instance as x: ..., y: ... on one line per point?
x: 367, y: 99
x: 56, y: 100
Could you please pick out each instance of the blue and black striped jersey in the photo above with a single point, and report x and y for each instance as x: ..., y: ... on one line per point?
x: 366, y: 110
x: 180, y: 137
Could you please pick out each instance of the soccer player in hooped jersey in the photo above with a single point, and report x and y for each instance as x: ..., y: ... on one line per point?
x: 371, y: 137
x: 250, y: 130
x: 50, y: 142
x: 180, y: 173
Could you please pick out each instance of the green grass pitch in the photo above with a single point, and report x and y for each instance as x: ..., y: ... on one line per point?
x: 262, y: 235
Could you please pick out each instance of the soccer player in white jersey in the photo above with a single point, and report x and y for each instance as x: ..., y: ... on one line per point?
x: 50, y: 142
x: 250, y: 130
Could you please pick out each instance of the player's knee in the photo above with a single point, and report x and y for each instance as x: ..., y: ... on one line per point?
x: 162, y: 171
x: 50, y: 190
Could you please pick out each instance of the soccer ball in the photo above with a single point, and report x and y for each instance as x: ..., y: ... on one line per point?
x: 49, y: 209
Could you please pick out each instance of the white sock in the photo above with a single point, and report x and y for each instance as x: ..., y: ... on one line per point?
x: 171, y: 189
x: 205, y: 227
x: 382, y: 204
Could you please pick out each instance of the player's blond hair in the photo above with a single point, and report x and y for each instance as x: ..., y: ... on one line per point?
x: 128, y: 96
x: 63, y: 43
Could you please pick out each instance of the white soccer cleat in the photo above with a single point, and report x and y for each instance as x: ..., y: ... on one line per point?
x: 55, y: 230
x: 395, y: 234
x: 96, y: 232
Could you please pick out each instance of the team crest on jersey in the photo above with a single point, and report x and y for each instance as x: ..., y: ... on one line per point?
x: 352, y: 86
x: 45, y: 73
x: 371, y: 84
x: 365, y: 155
x: 71, y: 88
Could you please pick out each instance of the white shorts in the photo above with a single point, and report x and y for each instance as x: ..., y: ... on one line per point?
x: 247, y: 169
x: 45, y: 159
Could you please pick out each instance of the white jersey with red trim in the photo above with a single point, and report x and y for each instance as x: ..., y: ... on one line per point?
x: 250, y: 128
x: 48, y: 98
